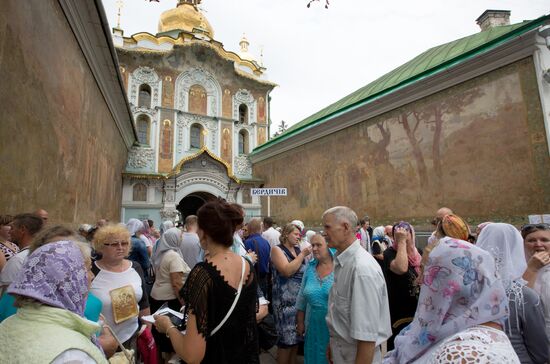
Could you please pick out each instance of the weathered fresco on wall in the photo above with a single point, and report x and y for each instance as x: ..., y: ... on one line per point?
x: 61, y: 149
x: 478, y: 148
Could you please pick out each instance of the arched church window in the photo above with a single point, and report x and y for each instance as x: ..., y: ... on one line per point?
x: 243, y: 113
x: 197, y: 138
x: 139, y: 192
x: 142, y: 126
x: 144, y: 99
x: 243, y: 142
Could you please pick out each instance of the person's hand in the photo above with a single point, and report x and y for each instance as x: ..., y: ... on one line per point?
x: 306, y: 251
x: 329, y: 354
x: 538, y: 260
x: 162, y: 323
x: 300, y: 328
x: 401, y: 234
x: 253, y: 256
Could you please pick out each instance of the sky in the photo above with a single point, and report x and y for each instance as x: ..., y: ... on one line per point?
x: 316, y: 55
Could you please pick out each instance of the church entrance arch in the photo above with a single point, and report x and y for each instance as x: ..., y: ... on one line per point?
x: 190, y: 204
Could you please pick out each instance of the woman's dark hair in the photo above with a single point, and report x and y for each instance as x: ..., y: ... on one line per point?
x: 218, y: 219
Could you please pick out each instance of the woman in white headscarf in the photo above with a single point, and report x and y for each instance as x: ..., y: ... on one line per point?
x: 462, y: 302
x: 170, y: 273
x: 525, y: 326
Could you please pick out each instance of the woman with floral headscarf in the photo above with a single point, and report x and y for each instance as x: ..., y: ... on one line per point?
x: 51, y: 294
x: 461, y: 307
x: 525, y: 326
x: 401, y: 268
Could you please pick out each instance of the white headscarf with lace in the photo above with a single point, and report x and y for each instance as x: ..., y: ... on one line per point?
x: 505, y: 244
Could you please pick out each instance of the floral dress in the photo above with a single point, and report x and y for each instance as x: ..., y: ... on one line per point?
x: 313, y: 300
x: 285, y: 293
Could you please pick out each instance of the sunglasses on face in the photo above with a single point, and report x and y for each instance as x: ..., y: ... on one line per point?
x: 123, y: 244
x: 529, y: 228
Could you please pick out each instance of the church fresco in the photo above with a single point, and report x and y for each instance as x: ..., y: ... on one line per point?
x: 475, y: 147
x: 62, y: 151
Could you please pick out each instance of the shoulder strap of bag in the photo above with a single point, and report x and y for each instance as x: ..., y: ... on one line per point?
x: 234, y: 301
x: 128, y: 354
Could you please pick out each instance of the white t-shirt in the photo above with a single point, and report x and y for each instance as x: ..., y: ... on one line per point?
x: 272, y: 236
x: 12, y: 268
x: 146, y: 240
x: 106, y: 282
x: 171, y: 263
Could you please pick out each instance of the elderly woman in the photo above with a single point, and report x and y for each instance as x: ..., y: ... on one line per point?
x: 139, y: 253
x: 401, y: 268
x: 525, y: 326
x: 51, y: 294
x: 220, y: 295
x: 171, y: 271
x: 312, y: 302
x: 461, y: 307
x: 7, y: 248
x: 289, y: 267
x: 537, y: 247
x: 119, y: 283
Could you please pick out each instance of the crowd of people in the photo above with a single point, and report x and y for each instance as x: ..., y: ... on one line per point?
x: 350, y: 293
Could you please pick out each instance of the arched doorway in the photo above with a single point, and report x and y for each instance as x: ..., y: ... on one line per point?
x: 192, y: 202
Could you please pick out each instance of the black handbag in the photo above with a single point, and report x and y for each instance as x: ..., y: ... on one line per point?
x: 267, y: 333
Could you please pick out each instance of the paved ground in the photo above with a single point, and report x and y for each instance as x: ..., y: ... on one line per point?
x: 270, y: 357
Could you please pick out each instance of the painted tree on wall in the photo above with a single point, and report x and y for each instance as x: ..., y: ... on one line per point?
x: 450, y: 104
x: 411, y: 127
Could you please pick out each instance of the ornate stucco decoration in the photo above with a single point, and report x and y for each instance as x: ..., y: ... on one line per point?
x: 183, y: 124
x: 198, y: 76
x: 168, y: 213
x: 244, y: 97
x: 177, y: 169
x: 152, y: 113
x: 243, y: 166
x: 141, y: 158
x: 145, y: 75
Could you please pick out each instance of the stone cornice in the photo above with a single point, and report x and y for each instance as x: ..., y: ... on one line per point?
x: 511, y: 51
x: 90, y: 27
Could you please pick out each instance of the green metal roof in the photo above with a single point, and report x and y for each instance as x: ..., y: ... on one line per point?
x: 427, y: 63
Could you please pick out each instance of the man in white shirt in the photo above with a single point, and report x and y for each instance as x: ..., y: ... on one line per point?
x: 190, y: 246
x: 270, y: 234
x: 23, y: 229
x: 358, y: 316
x: 365, y: 237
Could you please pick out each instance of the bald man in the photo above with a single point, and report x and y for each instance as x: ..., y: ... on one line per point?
x: 43, y: 214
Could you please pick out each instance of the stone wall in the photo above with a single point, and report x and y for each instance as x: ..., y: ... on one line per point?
x: 61, y: 149
x: 479, y: 148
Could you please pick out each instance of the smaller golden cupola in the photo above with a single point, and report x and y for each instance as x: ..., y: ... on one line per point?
x: 185, y: 17
x: 243, y: 53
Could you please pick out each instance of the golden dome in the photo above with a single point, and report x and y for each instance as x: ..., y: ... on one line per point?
x: 185, y: 17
